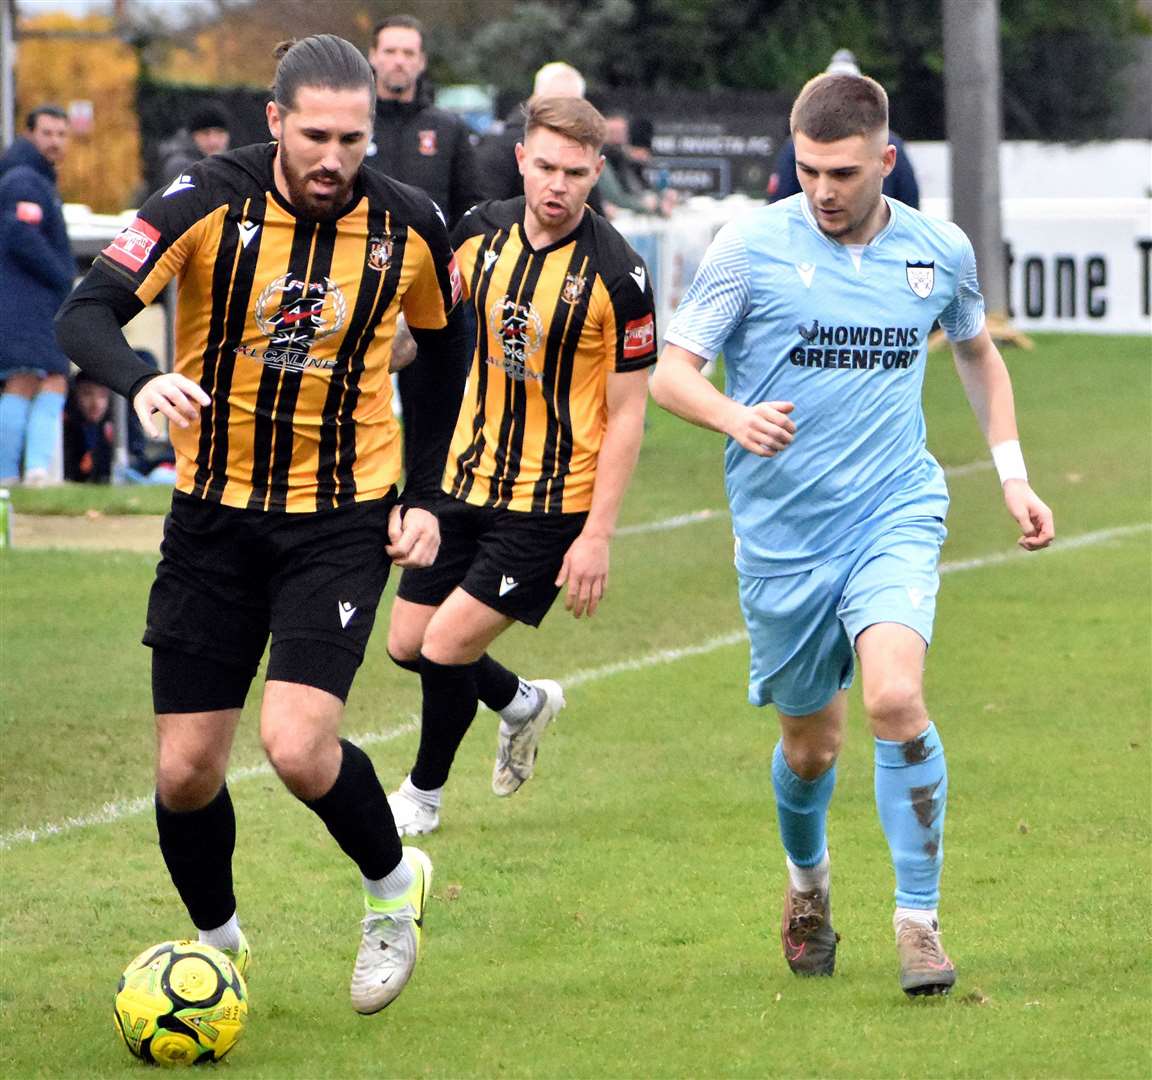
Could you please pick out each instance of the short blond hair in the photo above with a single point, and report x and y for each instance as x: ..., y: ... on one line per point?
x: 571, y: 117
x: 834, y: 107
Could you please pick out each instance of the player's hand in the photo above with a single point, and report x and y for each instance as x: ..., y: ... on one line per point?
x: 414, y: 536
x: 1031, y: 514
x: 403, y: 348
x: 174, y: 395
x: 764, y: 428
x: 585, y: 571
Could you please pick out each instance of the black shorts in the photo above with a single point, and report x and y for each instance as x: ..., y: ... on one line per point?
x: 229, y: 577
x: 507, y: 559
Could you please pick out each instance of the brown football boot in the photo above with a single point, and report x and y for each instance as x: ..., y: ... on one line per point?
x: 806, y: 932
x: 924, y: 966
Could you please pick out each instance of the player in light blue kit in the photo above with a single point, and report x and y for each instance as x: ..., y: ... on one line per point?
x: 822, y: 305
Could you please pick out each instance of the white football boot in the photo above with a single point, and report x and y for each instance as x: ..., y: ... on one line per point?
x: 413, y: 818
x: 390, y: 941
x: 517, y: 746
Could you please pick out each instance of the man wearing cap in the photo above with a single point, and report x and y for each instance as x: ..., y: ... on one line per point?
x: 206, y: 133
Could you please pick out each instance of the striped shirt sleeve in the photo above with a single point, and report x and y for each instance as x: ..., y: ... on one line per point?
x: 717, y: 299
x: 963, y: 318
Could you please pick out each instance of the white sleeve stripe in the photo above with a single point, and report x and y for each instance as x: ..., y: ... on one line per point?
x: 963, y: 318
x: 705, y: 353
x: 717, y: 298
x: 969, y: 333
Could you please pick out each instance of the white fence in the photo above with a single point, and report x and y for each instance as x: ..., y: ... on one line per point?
x: 1074, y: 264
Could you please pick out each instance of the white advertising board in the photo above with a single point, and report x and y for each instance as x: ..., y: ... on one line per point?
x: 1073, y: 264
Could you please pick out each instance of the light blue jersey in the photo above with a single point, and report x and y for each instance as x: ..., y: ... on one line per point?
x: 842, y: 332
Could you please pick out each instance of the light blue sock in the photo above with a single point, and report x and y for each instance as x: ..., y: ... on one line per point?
x: 911, y: 792
x: 42, y: 443
x: 802, y: 807
x: 13, y: 425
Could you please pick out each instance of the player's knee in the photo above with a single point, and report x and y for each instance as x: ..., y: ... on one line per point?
x: 403, y: 645
x: 895, y: 708
x: 443, y: 644
x: 810, y: 759
x: 188, y: 780
x: 294, y: 754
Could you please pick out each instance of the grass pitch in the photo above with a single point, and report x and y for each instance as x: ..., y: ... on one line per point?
x: 617, y: 918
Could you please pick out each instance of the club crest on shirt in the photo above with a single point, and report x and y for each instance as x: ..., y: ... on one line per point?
x: 380, y: 252
x: 427, y: 142
x: 520, y: 331
x: 921, y: 277
x: 294, y: 314
x: 573, y: 288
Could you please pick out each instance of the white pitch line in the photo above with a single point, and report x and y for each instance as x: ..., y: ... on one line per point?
x: 677, y: 522
x: 1101, y: 536
x: 119, y: 809
x: 112, y: 812
x: 697, y: 517
x: 983, y: 465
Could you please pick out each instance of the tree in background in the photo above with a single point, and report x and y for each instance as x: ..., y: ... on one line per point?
x: 64, y: 59
x: 1062, y: 71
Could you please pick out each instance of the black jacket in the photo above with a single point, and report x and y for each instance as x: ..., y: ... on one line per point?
x: 431, y: 149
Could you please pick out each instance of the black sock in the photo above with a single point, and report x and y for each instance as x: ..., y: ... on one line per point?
x: 449, y: 708
x: 197, y: 846
x: 355, y: 811
x: 496, y: 686
x: 407, y: 665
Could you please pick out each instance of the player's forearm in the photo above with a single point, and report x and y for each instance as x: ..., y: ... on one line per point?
x: 619, y: 452
x: 430, y: 389
x: 988, y: 388
x: 678, y: 387
x: 88, y: 332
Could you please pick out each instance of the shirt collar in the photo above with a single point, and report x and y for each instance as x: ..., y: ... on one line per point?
x: 810, y: 219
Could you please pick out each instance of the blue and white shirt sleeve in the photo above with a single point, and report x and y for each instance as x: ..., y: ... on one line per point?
x: 717, y: 299
x: 963, y: 318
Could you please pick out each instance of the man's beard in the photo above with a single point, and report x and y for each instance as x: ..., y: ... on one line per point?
x: 322, y: 208
x: 398, y: 82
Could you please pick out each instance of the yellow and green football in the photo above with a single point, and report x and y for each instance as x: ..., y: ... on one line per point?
x: 181, y: 1003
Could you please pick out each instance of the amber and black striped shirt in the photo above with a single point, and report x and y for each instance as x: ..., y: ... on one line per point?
x: 551, y: 325
x: 287, y: 324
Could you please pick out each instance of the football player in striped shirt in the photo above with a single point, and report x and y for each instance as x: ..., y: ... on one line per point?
x: 545, y: 444
x: 294, y: 264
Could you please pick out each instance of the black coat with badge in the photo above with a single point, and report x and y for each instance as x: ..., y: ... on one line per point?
x: 431, y: 149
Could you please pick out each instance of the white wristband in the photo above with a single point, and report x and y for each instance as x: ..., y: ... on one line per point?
x: 1009, y: 461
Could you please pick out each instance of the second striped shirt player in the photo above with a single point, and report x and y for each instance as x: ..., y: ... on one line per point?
x: 544, y: 448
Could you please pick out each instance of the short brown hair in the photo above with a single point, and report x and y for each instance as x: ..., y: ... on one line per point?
x: 398, y: 22
x: 572, y: 117
x: 834, y: 107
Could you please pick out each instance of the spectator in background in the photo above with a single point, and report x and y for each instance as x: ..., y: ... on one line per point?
x: 496, y: 158
x: 624, y: 182
x: 418, y: 144
x: 413, y: 141
x: 206, y: 133
x: 899, y: 184
x: 90, y: 439
x: 36, y: 273
x: 89, y: 432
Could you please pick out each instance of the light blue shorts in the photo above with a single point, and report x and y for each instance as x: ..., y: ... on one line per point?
x: 802, y: 627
